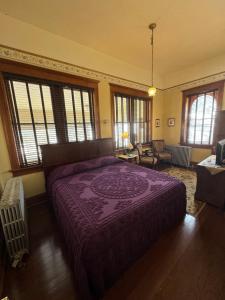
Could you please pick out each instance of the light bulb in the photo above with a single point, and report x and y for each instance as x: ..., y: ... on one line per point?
x: 151, y: 91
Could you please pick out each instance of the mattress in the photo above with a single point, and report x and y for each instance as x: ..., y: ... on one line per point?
x: 110, y: 212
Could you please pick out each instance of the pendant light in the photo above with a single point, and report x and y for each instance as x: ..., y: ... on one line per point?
x: 152, y: 88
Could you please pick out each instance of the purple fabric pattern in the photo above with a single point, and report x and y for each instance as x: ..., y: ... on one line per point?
x: 119, y: 186
x: 78, y: 167
x: 110, y: 212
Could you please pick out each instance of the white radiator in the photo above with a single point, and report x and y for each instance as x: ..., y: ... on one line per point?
x: 14, y: 221
x: 181, y: 155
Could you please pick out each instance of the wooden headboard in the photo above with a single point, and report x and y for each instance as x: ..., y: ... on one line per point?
x: 59, y: 154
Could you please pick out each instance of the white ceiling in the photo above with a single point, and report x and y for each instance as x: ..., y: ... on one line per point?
x: 188, y: 31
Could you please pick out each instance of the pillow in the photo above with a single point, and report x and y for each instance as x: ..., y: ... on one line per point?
x: 78, y: 167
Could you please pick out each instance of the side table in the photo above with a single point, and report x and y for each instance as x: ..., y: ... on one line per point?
x: 131, y: 158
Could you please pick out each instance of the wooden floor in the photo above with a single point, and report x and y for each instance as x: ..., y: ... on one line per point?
x: 186, y: 263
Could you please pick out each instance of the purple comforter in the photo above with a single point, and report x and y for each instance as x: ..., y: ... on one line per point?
x: 110, y: 212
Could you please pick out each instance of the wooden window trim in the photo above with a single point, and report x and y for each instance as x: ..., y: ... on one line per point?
x: 130, y: 92
x: 21, y: 69
x: 219, y: 85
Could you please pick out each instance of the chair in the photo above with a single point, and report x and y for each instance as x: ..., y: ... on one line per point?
x: 145, y: 158
x: 160, y: 151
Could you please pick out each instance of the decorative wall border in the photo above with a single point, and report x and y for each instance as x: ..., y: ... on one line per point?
x: 52, y: 64
x: 198, y: 82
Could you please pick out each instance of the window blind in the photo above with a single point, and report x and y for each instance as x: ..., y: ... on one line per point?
x: 131, y: 115
x: 122, y: 119
x: 79, y: 114
x: 140, y: 121
x: 47, y: 113
x: 32, y: 119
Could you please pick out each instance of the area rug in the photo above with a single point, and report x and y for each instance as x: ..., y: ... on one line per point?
x: 188, y: 177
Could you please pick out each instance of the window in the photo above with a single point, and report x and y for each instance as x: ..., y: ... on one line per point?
x: 131, y: 115
x: 32, y: 119
x: 79, y: 114
x: 47, y: 112
x: 199, y: 114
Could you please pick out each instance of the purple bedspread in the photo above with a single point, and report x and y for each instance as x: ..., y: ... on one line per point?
x: 110, y: 212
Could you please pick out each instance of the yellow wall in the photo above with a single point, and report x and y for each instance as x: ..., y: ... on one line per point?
x: 4, y: 159
x: 173, y: 109
x: 203, y: 69
x: 173, y: 97
x: 158, y: 108
x: 62, y: 49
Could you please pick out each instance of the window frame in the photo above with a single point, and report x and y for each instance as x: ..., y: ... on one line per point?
x: 41, y: 75
x: 130, y: 92
x: 186, y: 105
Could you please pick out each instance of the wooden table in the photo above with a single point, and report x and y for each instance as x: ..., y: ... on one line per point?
x: 210, y: 182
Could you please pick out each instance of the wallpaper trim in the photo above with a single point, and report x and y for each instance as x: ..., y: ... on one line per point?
x: 52, y: 64
x: 198, y: 82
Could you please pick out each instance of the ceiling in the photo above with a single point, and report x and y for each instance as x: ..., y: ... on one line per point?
x: 187, y: 32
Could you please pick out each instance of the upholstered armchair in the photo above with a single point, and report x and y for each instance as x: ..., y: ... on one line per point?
x: 145, y: 158
x: 160, y: 152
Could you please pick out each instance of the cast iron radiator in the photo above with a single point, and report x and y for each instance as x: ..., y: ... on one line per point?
x: 181, y: 155
x: 14, y: 221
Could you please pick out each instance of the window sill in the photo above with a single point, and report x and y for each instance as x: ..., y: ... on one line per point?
x: 197, y: 146
x: 28, y: 170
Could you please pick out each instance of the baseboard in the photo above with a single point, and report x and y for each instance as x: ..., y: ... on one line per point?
x: 36, y: 200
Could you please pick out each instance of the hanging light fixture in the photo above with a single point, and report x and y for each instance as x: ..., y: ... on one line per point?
x: 152, y: 88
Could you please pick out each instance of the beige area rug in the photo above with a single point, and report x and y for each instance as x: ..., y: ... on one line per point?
x: 188, y: 177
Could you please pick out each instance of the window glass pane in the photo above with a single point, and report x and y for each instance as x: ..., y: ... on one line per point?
x: 119, y: 110
x: 29, y: 144
x: 202, y: 119
x: 48, y: 104
x: 125, y: 111
x: 68, y: 105
x: 79, y: 112
x: 21, y: 100
x: 86, y: 107
x: 71, y: 130
x: 36, y: 103
x: 52, y: 133
x: 134, y: 110
x: 33, y: 120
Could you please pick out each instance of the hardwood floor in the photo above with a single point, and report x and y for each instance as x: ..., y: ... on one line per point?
x: 186, y: 263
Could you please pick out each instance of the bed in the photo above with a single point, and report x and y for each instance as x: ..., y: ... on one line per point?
x: 109, y: 211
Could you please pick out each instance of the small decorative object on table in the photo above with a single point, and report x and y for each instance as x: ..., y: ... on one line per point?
x: 130, y: 147
x: 127, y: 144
